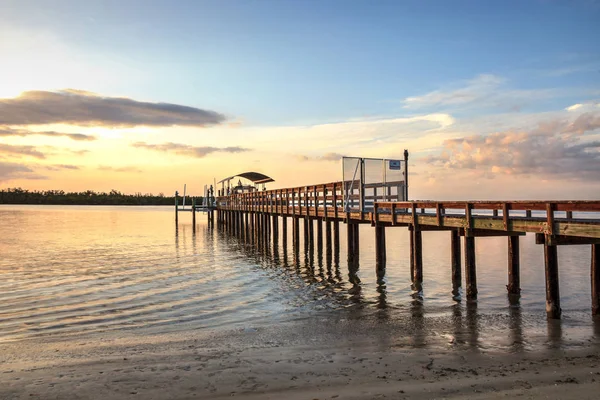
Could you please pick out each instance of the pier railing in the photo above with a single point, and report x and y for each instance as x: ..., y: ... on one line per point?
x: 335, y: 200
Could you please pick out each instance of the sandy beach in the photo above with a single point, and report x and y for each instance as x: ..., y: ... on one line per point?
x: 297, y: 360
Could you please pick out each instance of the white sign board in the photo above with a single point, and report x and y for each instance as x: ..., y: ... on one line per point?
x: 394, y: 164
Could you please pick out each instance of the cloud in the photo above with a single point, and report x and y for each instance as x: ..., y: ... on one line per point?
x: 484, y: 91
x: 188, y: 150
x: 78, y: 107
x: 554, y: 149
x: 324, y: 157
x: 59, y: 167
x: 6, y: 131
x: 119, y: 169
x: 10, y: 171
x: 79, y: 152
x: 19, y: 151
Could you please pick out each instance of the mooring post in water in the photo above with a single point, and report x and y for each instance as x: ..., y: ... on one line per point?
x: 455, y: 258
x: 595, y: 275
x: 553, y: 310
x: 514, y: 278
x: 176, y: 207
x: 194, y: 212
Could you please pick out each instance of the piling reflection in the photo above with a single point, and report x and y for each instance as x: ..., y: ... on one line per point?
x: 555, y: 333
x: 417, y: 321
x: 319, y: 267
x: 472, y: 323
x: 516, y: 327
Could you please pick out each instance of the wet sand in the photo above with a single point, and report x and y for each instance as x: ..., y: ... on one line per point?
x: 311, y: 359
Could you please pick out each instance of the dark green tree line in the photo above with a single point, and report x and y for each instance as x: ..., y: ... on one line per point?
x: 89, y: 197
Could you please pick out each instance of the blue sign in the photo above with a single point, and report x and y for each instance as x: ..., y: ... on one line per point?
x: 394, y: 164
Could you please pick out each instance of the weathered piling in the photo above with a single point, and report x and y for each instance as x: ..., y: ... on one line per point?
x: 353, y: 242
x: 514, y: 279
x: 296, y: 230
x: 595, y: 278
x: 319, y: 235
x: 470, y: 267
x: 380, y: 251
x: 176, y: 208
x: 275, y: 228
x: 418, y: 256
x: 284, y: 231
x: 552, y: 287
x: 194, y: 212
x: 455, y: 255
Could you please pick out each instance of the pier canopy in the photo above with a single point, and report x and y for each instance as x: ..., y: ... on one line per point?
x: 255, y: 177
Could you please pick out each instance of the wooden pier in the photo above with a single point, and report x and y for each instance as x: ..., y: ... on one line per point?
x: 255, y: 217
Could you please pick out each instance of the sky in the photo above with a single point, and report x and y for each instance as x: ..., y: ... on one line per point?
x: 492, y: 99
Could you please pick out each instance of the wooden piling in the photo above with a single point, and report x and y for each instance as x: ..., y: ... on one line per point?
x: 336, y: 237
x: 176, y: 208
x: 380, y: 252
x: 311, y: 233
x: 553, y: 310
x: 595, y: 275
x: 455, y: 255
x: 284, y: 230
x: 411, y: 247
x: 328, y: 236
x: 470, y: 266
x: 194, y: 212
x: 319, y: 235
x: 351, y: 242
x: 514, y: 279
x: 275, y: 229
x: 296, y: 231
x: 417, y: 251
x: 306, y: 233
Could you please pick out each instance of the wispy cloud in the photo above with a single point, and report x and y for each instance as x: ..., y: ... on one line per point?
x: 324, y: 157
x: 84, y: 108
x: 188, y: 150
x: 15, y: 150
x: 119, y: 169
x: 60, y: 167
x: 484, y: 91
x: 6, y: 132
x: 10, y: 171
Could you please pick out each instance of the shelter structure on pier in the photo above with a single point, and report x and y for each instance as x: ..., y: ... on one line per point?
x: 256, y: 179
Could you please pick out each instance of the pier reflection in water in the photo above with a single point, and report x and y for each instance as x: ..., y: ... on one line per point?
x: 427, y: 316
x: 131, y: 269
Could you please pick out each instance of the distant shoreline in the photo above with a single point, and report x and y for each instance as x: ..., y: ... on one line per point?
x: 18, y: 196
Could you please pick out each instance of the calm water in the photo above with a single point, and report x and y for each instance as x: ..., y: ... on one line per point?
x: 69, y: 270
